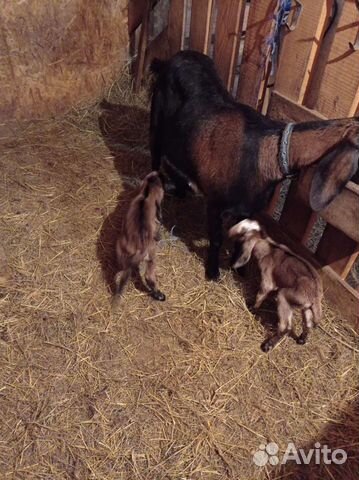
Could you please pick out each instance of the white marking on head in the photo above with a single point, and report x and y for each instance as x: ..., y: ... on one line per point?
x: 244, y: 226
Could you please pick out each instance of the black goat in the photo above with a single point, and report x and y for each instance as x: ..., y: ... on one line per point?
x: 235, y: 155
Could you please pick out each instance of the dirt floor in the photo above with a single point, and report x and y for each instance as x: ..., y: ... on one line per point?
x: 157, y: 391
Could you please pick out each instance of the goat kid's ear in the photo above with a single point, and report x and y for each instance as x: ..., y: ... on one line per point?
x: 335, y: 169
x: 234, y: 231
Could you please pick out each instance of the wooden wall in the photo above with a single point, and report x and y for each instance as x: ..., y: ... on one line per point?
x: 55, y: 54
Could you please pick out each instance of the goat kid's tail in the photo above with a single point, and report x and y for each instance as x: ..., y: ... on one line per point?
x: 157, y: 66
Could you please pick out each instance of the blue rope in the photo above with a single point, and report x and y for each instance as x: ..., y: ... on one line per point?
x: 281, y: 17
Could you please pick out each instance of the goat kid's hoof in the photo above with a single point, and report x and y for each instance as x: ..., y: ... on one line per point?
x: 301, y: 340
x: 115, y: 303
x: 159, y: 296
x: 266, y: 346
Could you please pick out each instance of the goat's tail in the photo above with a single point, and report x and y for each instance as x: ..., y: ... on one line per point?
x: 316, y: 309
x: 157, y: 66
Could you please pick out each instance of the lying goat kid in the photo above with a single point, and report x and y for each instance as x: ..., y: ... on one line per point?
x: 296, y: 281
x: 138, y: 240
x: 235, y: 155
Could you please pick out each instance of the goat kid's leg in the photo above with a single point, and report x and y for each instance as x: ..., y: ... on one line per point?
x: 150, y: 277
x: 266, y: 287
x: 121, y: 280
x: 214, y: 220
x: 285, y: 314
x: 307, y: 315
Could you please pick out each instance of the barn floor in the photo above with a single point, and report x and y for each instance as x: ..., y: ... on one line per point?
x: 177, y: 390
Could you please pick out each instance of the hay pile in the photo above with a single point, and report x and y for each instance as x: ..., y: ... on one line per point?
x: 176, y: 391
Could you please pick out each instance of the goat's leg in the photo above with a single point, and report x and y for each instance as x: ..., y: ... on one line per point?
x: 150, y: 277
x: 214, y: 220
x: 285, y: 314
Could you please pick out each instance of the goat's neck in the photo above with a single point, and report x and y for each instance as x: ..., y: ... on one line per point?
x: 311, y: 140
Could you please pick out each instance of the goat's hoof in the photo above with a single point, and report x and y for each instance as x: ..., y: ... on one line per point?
x: 266, y: 346
x: 213, y: 274
x: 157, y: 295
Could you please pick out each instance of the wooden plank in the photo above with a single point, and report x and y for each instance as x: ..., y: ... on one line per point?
x: 227, y: 36
x: 283, y: 108
x: 298, y: 50
x: 136, y: 9
x: 176, y: 19
x: 158, y: 48
x: 340, y: 80
x: 200, y: 25
x: 140, y: 61
x: 337, y: 250
x: 260, y: 24
x: 339, y: 295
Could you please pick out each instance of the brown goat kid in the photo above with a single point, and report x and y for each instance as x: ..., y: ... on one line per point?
x: 296, y: 281
x: 137, y: 242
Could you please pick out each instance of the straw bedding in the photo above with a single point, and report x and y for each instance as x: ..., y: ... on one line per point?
x: 176, y: 390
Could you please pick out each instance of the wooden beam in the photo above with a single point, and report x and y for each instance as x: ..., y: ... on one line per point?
x: 176, y: 19
x: 339, y: 295
x: 283, y: 108
x: 136, y: 9
x: 158, y: 48
x: 298, y: 50
x: 255, y: 53
x: 227, y: 36
x: 140, y: 61
x: 338, y: 79
x: 200, y: 25
x: 337, y: 250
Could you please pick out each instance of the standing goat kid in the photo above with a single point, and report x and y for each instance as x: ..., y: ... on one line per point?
x: 296, y: 281
x: 137, y: 242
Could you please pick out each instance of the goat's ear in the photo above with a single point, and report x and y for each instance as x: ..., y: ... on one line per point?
x: 334, y: 170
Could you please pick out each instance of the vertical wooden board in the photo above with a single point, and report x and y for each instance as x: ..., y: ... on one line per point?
x: 298, y: 50
x: 337, y: 250
x: 260, y: 24
x: 136, y: 9
x: 296, y: 214
x: 200, y: 25
x: 176, y: 19
x: 140, y: 61
x: 227, y: 37
x: 158, y: 48
x: 340, y: 82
